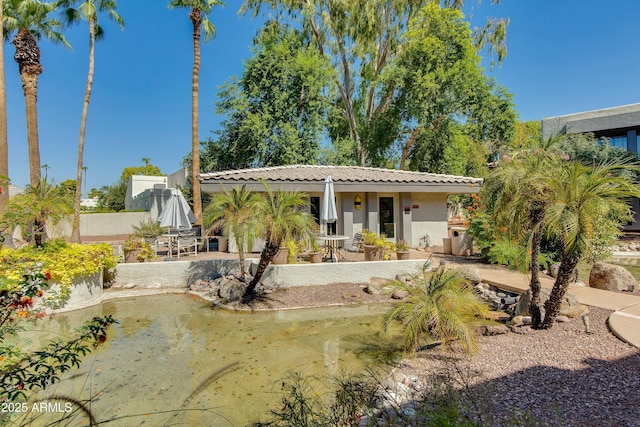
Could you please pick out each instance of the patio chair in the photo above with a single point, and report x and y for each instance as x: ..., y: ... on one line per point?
x: 187, y: 243
x: 355, y: 244
x: 161, y: 244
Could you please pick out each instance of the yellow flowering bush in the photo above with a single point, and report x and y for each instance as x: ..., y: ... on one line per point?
x: 62, y: 261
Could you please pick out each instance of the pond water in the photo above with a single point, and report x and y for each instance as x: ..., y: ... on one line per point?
x: 221, y: 368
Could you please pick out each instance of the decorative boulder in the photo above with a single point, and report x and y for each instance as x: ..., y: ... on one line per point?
x: 553, y: 272
x: 376, y: 285
x: 472, y: 274
x: 230, y: 288
x: 569, y: 302
x: 611, y: 277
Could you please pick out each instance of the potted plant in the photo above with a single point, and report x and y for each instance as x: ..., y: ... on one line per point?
x: 136, y: 250
x: 385, y: 248
x: 315, y: 253
x: 369, y: 245
x: 402, y: 250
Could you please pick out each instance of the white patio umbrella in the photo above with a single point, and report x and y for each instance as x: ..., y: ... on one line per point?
x: 328, y: 211
x: 176, y: 213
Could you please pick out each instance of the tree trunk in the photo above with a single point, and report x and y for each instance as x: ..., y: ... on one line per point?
x: 241, y: 260
x: 407, y: 147
x: 28, y: 58
x: 552, y: 306
x: 75, y: 229
x: 196, y: 19
x: 268, y: 253
x: 537, y: 219
x: 39, y: 231
x: 4, y: 141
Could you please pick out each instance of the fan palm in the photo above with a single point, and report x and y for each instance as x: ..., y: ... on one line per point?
x: 38, y: 207
x: 200, y: 9
x: 440, y: 305
x: 30, y: 21
x: 587, y: 200
x: 234, y: 211
x: 280, y: 215
x: 87, y: 10
x: 521, y: 205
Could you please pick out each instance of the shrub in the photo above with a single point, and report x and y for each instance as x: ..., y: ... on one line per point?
x: 62, y: 261
x: 402, y: 245
x: 21, y: 372
x: 441, y: 306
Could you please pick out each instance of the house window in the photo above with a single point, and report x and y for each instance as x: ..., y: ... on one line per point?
x: 616, y: 141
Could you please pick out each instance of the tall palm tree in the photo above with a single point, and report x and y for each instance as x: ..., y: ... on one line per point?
x: 4, y: 141
x: 200, y: 9
x: 87, y: 10
x: 30, y: 21
x: 587, y: 200
x: 234, y: 211
x: 281, y: 215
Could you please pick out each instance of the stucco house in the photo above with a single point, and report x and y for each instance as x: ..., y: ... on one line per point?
x: 402, y: 204
x: 620, y: 125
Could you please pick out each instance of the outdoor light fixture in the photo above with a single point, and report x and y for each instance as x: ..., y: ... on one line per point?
x: 357, y: 202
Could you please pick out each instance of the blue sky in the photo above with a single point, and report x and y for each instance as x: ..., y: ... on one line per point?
x: 564, y: 57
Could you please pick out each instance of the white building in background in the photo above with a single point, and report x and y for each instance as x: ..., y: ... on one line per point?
x: 150, y: 193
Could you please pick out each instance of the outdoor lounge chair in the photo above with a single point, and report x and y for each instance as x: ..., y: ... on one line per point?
x: 187, y: 243
x: 355, y: 244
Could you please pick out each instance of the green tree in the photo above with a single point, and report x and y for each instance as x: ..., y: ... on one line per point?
x: 234, y: 211
x: 199, y: 11
x: 586, y: 202
x: 280, y: 216
x: 527, y: 135
x: 147, y: 169
x: 68, y: 187
x: 111, y: 197
x: 436, y: 80
x: 276, y: 111
x: 442, y: 306
x: 87, y: 10
x: 30, y: 21
x: 38, y: 207
x: 360, y: 38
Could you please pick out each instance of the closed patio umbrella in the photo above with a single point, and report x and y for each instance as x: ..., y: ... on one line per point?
x: 176, y: 213
x: 328, y: 211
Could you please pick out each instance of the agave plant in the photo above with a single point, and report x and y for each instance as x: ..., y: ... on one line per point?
x: 441, y: 305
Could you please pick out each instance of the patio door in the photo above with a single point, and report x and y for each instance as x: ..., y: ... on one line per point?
x: 387, y: 209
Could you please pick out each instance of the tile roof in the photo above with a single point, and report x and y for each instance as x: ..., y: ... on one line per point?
x: 339, y: 174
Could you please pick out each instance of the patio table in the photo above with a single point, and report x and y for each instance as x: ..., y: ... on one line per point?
x: 332, y: 244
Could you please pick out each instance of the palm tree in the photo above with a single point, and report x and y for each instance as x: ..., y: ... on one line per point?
x: 200, y: 9
x: 281, y: 215
x: 588, y: 202
x: 38, y: 206
x: 440, y: 305
x: 521, y: 206
x: 4, y: 141
x: 87, y: 10
x: 30, y: 21
x: 234, y: 211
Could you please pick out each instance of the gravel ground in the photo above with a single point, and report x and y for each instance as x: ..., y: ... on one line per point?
x: 561, y: 377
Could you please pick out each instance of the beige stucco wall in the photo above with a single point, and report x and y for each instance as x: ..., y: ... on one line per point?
x: 101, y: 224
x: 429, y: 218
